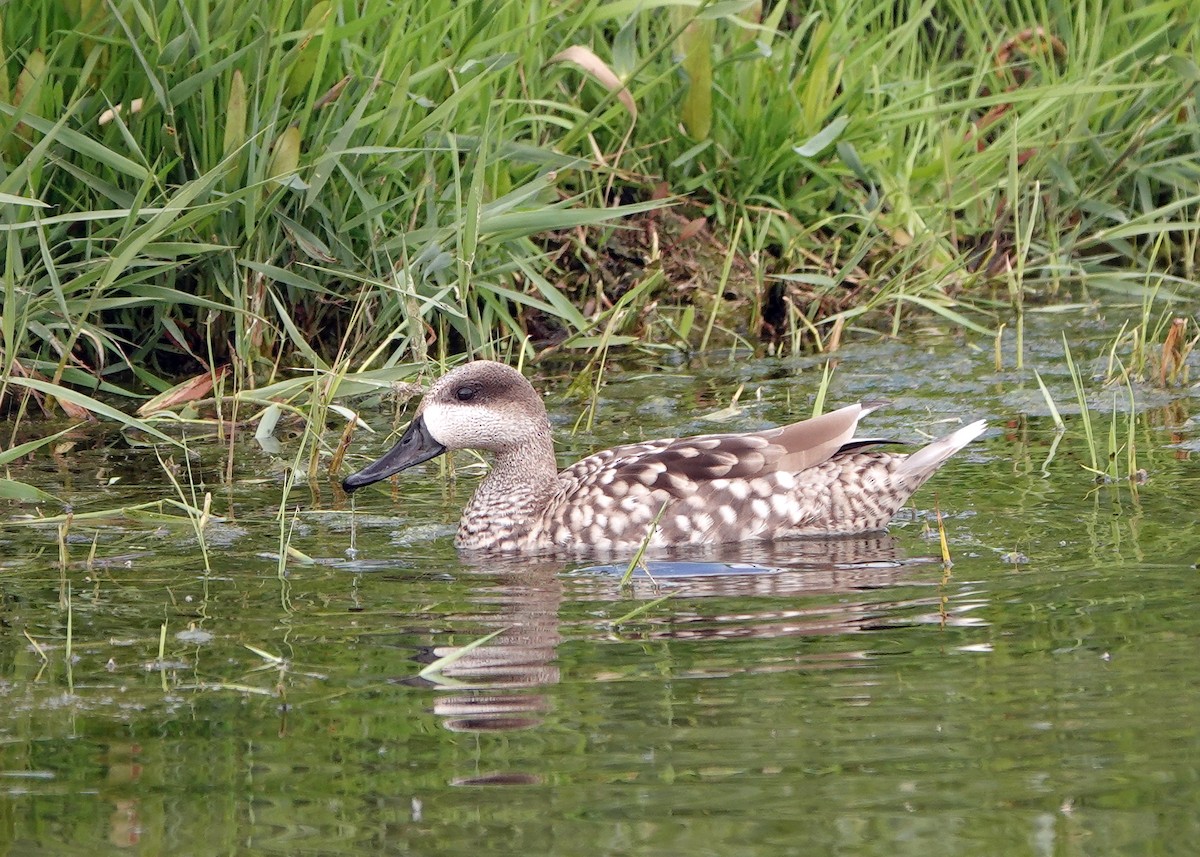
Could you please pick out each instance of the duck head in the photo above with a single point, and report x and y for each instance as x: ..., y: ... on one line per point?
x: 480, y: 405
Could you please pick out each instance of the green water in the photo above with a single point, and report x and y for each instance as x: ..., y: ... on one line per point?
x: 845, y: 697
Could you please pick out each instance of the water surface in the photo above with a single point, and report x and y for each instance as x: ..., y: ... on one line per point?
x: 849, y: 697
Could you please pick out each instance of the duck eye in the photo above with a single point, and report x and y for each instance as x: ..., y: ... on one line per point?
x: 465, y: 394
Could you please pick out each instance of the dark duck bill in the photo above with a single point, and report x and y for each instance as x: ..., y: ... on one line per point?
x: 416, y: 446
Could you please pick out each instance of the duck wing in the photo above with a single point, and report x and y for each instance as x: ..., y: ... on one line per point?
x: 679, y: 466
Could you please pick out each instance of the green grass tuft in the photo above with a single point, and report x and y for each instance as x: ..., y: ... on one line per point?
x: 360, y: 183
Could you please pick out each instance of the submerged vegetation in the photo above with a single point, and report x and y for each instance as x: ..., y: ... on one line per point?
x: 288, y: 201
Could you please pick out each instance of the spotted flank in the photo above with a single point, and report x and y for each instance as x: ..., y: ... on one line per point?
x: 811, y: 478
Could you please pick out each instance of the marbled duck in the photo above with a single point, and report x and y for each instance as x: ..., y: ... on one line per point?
x: 811, y: 478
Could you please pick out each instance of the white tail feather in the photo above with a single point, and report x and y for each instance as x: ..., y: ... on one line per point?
x: 925, y: 461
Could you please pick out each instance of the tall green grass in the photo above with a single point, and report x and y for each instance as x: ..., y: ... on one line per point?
x: 348, y: 187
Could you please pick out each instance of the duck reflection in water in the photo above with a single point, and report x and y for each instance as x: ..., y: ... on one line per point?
x: 502, y: 685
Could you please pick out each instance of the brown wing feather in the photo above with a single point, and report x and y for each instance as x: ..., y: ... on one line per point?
x: 811, y: 442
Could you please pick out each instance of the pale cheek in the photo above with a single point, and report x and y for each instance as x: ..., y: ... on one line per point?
x: 464, y: 427
x: 437, y: 425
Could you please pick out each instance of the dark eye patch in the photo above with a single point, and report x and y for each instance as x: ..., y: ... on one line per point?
x: 465, y: 394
